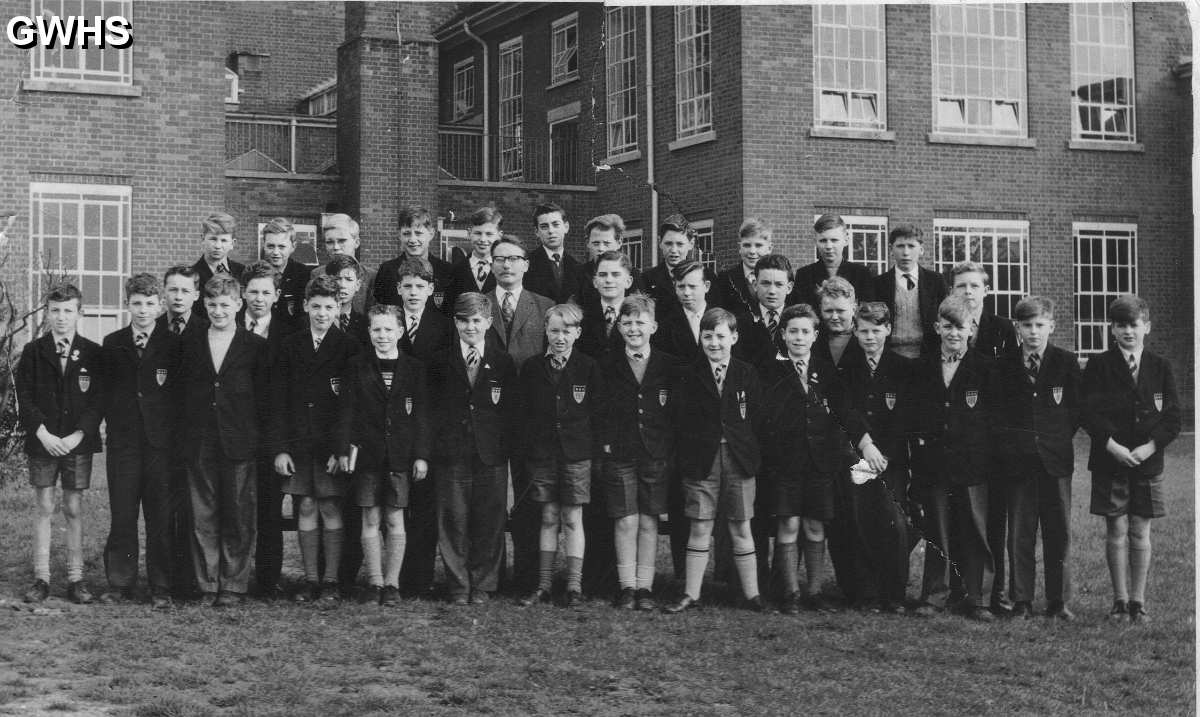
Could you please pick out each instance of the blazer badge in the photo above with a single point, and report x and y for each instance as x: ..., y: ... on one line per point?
x: 335, y: 385
x: 408, y: 405
x: 741, y: 399
x: 1057, y: 393
x: 972, y: 398
x: 495, y: 395
x: 889, y: 400
x: 85, y: 381
x: 579, y: 392
x: 438, y: 298
x: 1158, y: 402
x: 663, y: 395
x: 161, y: 376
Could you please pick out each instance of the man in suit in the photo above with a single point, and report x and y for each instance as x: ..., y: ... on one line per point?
x: 676, y: 240
x: 734, y: 289
x: 912, y: 294
x: 552, y: 272
x: 217, y: 241
x: 474, y: 272
x: 417, y: 232
x: 278, y: 244
x: 832, y: 240
x: 340, y: 237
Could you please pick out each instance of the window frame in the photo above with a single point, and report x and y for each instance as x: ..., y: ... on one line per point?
x: 1008, y: 297
x: 700, y: 71
x: 635, y: 238
x: 561, y: 58
x: 511, y: 145
x: 464, y: 71
x: 79, y: 77
x: 620, y: 66
x: 1105, y: 52
x: 821, y: 88
x: 1093, y: 325
x: 706, y: 256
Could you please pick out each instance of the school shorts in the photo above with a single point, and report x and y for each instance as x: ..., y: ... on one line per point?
x: 312, y: 481
x: 75, y: 469
x: 1127, y: 493
x: 381, y: 489
x: 808, y: 494
x: 724, y: 488
x: 557, y: 480
x: 637, y: 486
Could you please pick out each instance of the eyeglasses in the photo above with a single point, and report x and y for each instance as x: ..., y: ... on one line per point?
x: 507, y: 259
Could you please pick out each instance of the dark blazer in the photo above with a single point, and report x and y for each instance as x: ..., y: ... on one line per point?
x: 702, y: 417
x: 385, y: 291
x: 658, y: 284
x: 874, y: 402
x: 358, y: 330
x: 949, y: 429
x: 482, y: 418
x: 1131, y: 414
x: 586, y: 291
x: 995, y: 337
x: 432, y: 339
x: 527, y: 337
x: 201, y: 268
x: 931, y: 289
x: 635, y: 418
x: 233, y: 393
x: 462, y: 281
x: 561, y: 414
x: 63, y: 401
x: 277, y: 331
x: 674, y: 336
x: 290, y: 306
x: 850, y: 355
x: 307, y: 394
x: 389, y: 426
x: 197, y: 322
x: 732, y: 292
x: 1034, y: 424
x: 810, y: 276
x: 593, y: 340
x: 142, y: 396
x: 539, y: 278
x: 803, y: 430
x: 755, y: 344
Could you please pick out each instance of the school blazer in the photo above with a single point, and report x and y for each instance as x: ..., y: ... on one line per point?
x: 586, y: 290
x: 674, y: 336
x: 995, y: 337
x: 358, y: 330
x: 307, y: 394
x: 660, y: 286
x: 201, y: 268
x: 803, y: 429
x: 755, y: 345
x: 63, y: 401
x: 290, y: 306
x: 593, y: 340
x: 462, y: 281
x: 389, y: 426
x: 384, y: 286
x: 732, y: 292
x: 431, y: 341
x: 949, y: 429
x: 539, y: 278
x: 635, y: 418
x: 851, y: 354
x: 702, y: 417
x: 810, y: 276
x: 931, y: 289
x: 197, y: 322
x: 142, y: 396
x: 233, y: 393
x: 1131, y: 414
x: 1034, y: 424
x: 561, y: 415
x: 484, y: 416
x: 874, y: 402
x: 277, y: 331
x: 528, y: 335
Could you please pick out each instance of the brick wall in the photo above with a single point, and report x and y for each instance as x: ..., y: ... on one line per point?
x: 254, y: 200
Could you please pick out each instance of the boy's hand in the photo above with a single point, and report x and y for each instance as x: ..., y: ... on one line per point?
x: 332, y: 465
x: 344, y: 464
x: 1122, y: 454
x: 876, y: 460
x: 284, y: 465
x: 607, y: 449
x: 72, y: 441
x: 420, y: 469
x: 1144, y: 451
x: 52, y: 443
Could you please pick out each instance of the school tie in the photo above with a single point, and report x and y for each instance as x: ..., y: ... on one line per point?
x: 719, y: 376
x: 909, y: 280
x: 412, y: 326
x: 637, y: 357
x: 472, y: 365
x: 610, y: 318
x: 177, y: 324
x: 481, y: 272
x: 557, y: 363
x: 139, y: 342
x: 62, y: 347
x: 872, y: 364
x: 974, y: 333
x: 253, y: 327
x: 506, y: 308
x: 557, y: 266
x: 1032, y: 372
x: 344, y: 322
x: 317, y: 343
x: 802, y: 371
x: 772, y: 321
x: 221, y: 269
x: 1133, y: 367
x: 952, y: 358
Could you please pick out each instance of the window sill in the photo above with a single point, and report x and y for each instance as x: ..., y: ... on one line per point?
x: 80, y: 87
x: 702, y: 138
x: 878, y: 135
x: 1105, y: 146
x: 941, y: 138
x: 624, y: 157
x: 564, y: 81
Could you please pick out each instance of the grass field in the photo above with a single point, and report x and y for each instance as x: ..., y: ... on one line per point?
x: 428, y: 658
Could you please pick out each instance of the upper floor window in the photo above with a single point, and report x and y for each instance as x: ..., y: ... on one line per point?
x: 464, y: 87
x: 979, y: 70
x: 79, y: 60
x: 849, y: 70
x: 1105, y: 268
x: 322, y: 101
x: 1102, y: 91
x: 564, y: 49
x: 693, y: 70
x: 702, y: 234
x: 1001, y: 246
x: 512, y: 108
x: 633, y: 247
x: 621, y: 79
x: 231, y: 87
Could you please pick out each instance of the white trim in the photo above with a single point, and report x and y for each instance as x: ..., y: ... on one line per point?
x: 563, y: 24
x: 562, y: 113
x: 635, y: 237
x: 1097, y: 324
x: 840, y: 62
x: 995, y: 230
x: 1089, y: 75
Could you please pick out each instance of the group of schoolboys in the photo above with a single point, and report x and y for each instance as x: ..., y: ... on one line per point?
x: 782, y: 403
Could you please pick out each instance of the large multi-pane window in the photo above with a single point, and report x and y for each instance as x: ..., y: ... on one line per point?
x: 693, y: 70
x: 512, y: 160
x: 80, y: 232
x: 631, y: 244
x: 702, y: 234
x: 849, y: 71
x: 564, y: 49
x: 82, y: 63
x: 464, y: 87
x: 1105, y: 268
x: 620, y: 52
x: 1000, y: 246
x: 1102, y: 92
x: 867, y: 239
x: 979, y: 70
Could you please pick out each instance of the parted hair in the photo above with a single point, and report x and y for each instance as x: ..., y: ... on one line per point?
x: 183, y: 270
x: 261, y: 270
x: 321, y: 285
x: 217, y: 223
x: 606, y: 222
x: 570, y: 314
x: 144, y: 284
x: 1033, y: 306
x: 835, y: 287
x: 774, y: 261
x: 636, y: 304
x: 1127, y: 309
x: 472, y: 303
x: 413, y: 267
x: 618, y: 256
x: 825, y: 222
x: 279, y: 225
x: 715, y: 317
x: 222, y: 285
x: 955, y: 310
x: 486, y: 215
x: 416, y: 217
x: 64, y: 292
x: 685, y: 267
x: 970, y: 267
x: 755, y: 227
x: 344, y: 261
x: 876, y: 312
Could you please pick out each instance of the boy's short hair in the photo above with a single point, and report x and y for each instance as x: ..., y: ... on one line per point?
x: 875, y: 312
x: 970, y: 267
x: 687, y: 266
x: 144, y: 284
x: 485, y: 215
x: 222, y: 285
x: 416, y: 217
x: 383, y: 310
x: 618, y: 256
x: 755, y: 227
x: 906, y: 231
x: 1128, y: 308
x: 510, y: 239
x: 340, y: 221
x: 471, y: 303
x: 798, y: 311
x: 322, y: 285
x: 835, y: 287
x: 569, y: 314
x: 1033, y: 306
x: 64, y: 292
x: 825, y: 222
x: 714, y: 317
x: 261, y: 270
x: 217, y: 223
x: 183, y: 270
x: 279, y: 225
x: 342, y: 262
x: 675, y: 223
x: 606, y: 222
x: 774, y: 261
x: 636, y: 304
x: 955, y: 310
x: 548, y: 208
x: 413, y: 267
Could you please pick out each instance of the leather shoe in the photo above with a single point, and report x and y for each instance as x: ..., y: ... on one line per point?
x: 1059, y: 611
x: 38, y: 592
x: 980, y: 614
x: 370, y: 595
x: 308, y: 593
x: 227, y: 599
x: 161, y: 602
x: 480, y: 597
x: 1001, y: 607
x: 329, y: 593
x: 687, y: 602
x: 78, y: 593
x: 1137, y: 613
x: 790, y: 604
x: 756, y: 604
x: 891, y: 607
x: 112, y: 597
x: 1119, y: 611
x: 1023, y: 609
x: 208, y: 599
x: 460, y: 600
x: 625, y: 599
x: 573, y: 599
x: 537, y: 596
x: 644, y: 601
x: 817, y: 603
x: 390, y: 597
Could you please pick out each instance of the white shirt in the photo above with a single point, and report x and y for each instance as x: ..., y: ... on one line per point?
x: 1137, y: 356
x: 694, y: 323
x: 218, y: 345
x: 263, y: 325
x: 551, y: 252
x: 466, y: 349
x: 516, y: 296
x: 475, y: 262
x: 645, y: 352
x: 902, y: 284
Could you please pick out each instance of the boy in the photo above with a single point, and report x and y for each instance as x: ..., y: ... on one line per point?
x: 349, y: 274
x: 278, y: 244
x: 912, y: 294
x: 718, y: 405
x: 612, y: 281
x: 832, y: 240
x: 604, y: 233
x: 417, y: 230
x: 385, y: 416
x: 60, y: 387
x: 760, y: 328
x: 181, y: 286
x: 223, y: 376
x: 560, y: 392
x: 141, y: 370
x: 734, y: 289
x: 1131, y: 410
x: 474, y: 272
x: 553, y: 272
x: 1037, y: 414
x: 676, y: 241
x: 475, y: 417
x: 217, y: 241
x: 635, y: 430
x: 340, y: 238
x: 679, y: 328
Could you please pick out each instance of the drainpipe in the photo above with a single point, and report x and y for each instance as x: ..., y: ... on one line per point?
x: 650, y: 142
x: 486, y: 105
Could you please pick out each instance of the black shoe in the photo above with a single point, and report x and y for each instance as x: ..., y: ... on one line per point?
x: 687, y: 602
x: 78, y: 593
x: 228, y: 599
x: 329, y: 594
x: 1001, y: 607
x: 38, y: 592
x: 1119, y: 611
x: 371, y: 595
x: 390, y: 597
x: 537, y: 596
x: 573, y: 599
x: 208, y: 599
x: 979, y: 613
x: 790, y: 604
x: 460, y: 600
x: 1137, y: 613
x: 756, y: 604
x: 112, y: 597
x: 1023, y: 609
x: 891, y: 607
x: 480, y: 597
x: 644, y: 601
x: 625, y: 599
x: 1059, y: 611
x: 927, y: 609
x: 817, y: 603
x: 270, y: 593
x: 161, y: 602
x: 308, y: 593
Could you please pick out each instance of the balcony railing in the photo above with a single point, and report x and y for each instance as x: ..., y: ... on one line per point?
x: 280, y: 143
x: 558, y: 159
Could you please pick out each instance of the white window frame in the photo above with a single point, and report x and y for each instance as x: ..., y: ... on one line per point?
x: 632, y: 243
x: 849, y: 66
x: 693, y: 71
x: 86, y: 241
x: 705, y: 248
x: 510, y: 96
x: 866, y: 240
x: 1114, y: 279
x: 564, y: 49
x: 620, y: 52
x: 1100, y: 52
x: 980, y: 240
x: 463, y: 88
x: 71, y: 65
x: 966, y: 46
x: 232, y: 93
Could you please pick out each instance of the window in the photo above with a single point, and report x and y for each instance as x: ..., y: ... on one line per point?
x: 1001, y: 246
x: 631, y: 244
x: 703, y: 234
x: 868, y: 241
x: 81, y: 231
x: 564, y: 152
x: 693, y: 71
x: 1105, y: 267
x: 464, y: 87
x: 979, y: 70
x: 621, y: 79
x: 1102, y: 71
x: 849, y: 72
x: 564, y: 49
x: 322, y: 102
x: 512, y: 161
x: 83, y: 63
x: 231, y: 87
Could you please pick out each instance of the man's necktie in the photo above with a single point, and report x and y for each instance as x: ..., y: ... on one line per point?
x: 177, y: 324
x: 317, y: 343
x: 637, y: 357
x: 610, y: 318
x: 412, y: 326
x: 472, y: 364
x: 253, y: 326
x: 1133, y: 366
x: 952, y: 358
x: 872, y: 364
x: 1032, y: 371
x: 506, y: 308
x: 221, y: 269
x: 802, y: 372
x: 909, y: 280
x: 481, y: 272
x: 772, y: 321
x: 139, y: 342
x: 557, y: 265
x: 344, y: 322
x: 62, y: 347
x: 719, y: 376
x: 557, y: 363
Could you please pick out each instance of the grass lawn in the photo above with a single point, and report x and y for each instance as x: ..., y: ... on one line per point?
x: 428, y: 658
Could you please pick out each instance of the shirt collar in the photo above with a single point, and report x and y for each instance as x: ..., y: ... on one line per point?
x: 696, y: 314
x: 476, y: 261
x: 914, y: 274
x: 408, y: 315
x: 263, y: 323
x: 1137, y: 355
x: 186, y: 316
x: 466, y: 349
x: 213, y: 267
x: 551, y: 252
x: 763, y: 311
x: 712, y: 365
x: 566, y: 356
x: 1025, y: 354
x: 147, y: 332
x: 604, y: 304
x: 644, y: 352
x: 515, y: 291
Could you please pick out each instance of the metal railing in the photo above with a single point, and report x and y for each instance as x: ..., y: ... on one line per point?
x: 280, y: 143
x: 558, y: 159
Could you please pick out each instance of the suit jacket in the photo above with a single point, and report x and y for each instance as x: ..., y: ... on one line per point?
x: 658, y: 285
x: 931, y: 289
x: 539, y: 278
x: 949, y: 429
x: 1116, y: 407
x: 480, y: 418
x: 290, y: 306
x: 586, y: 290
x: 593, y: 340
x: 803, y: 430
x: 142, y: 395
x: 358, y: 330
x: 732, y: 292
x: 852, y: 354
x: 307, y: 394
x: 432, y: 339
x: 365, y: 298
x: 995, y: 337
x: 755, y: 344
x: 62, y: 401
x: 462, y: 281
x: 1034, y: 424
x: 874, y: 402
x: 561, y: 414
x: 809, y: 277
x: 277, y: 331
x: 201, y: 268
x: 384, y: 290
x: 197, y: 322
x: 233, y: 393
x: 389, y: 426
x: 674, y: 336
x: 635, y: 418
x: 527, y: 336
x: 703, y: 417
